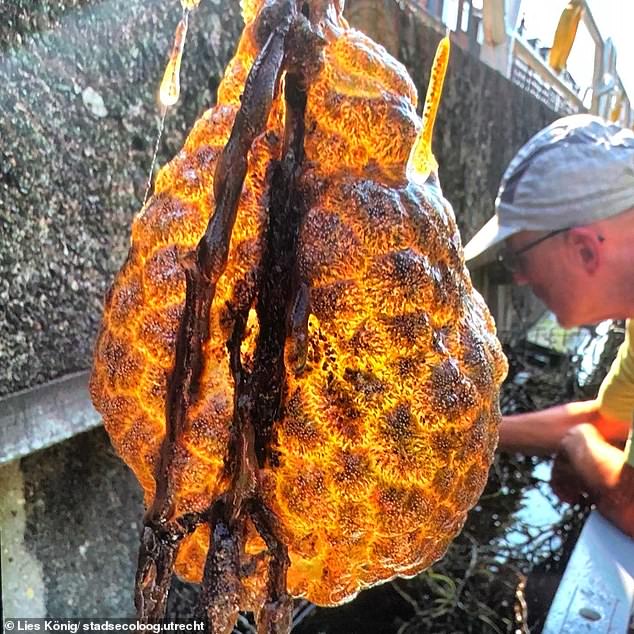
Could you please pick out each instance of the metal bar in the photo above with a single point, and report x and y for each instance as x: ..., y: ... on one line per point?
x: 597, y: 75
x: 45, y: 415
x: 458, y: 28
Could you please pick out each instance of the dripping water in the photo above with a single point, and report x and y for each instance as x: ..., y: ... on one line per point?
x: 169, y: 91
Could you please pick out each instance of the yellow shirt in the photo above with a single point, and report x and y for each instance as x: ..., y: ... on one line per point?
x: 616, y: 394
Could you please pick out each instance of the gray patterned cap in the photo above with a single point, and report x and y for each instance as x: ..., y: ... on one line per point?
x: 576, y: 171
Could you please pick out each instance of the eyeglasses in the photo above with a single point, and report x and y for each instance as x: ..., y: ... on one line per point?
x: 512, y: 260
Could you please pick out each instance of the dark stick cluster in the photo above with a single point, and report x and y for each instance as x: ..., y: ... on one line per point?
x: 291, y: 46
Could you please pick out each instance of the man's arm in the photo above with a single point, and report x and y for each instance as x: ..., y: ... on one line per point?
x: 540, y: 433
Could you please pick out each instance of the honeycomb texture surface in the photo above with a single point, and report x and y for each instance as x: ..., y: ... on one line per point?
x: 385, y: 436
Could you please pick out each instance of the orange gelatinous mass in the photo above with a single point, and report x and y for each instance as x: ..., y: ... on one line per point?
x: 386, y: 433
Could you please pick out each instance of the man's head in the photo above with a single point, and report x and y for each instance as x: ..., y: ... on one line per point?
x: 563, y: 223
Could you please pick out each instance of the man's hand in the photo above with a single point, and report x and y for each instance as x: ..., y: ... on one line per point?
x: 587, y: 463
x: 565, y: 481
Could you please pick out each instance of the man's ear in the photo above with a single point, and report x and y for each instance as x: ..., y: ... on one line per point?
x: 585, y: 245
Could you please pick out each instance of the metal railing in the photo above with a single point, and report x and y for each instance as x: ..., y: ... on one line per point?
x: 530, y: 72
x: 523, y: 64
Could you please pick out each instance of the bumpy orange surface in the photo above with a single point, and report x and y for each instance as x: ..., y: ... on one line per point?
x: 386, y: 435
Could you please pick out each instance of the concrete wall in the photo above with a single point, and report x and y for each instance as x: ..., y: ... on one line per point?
x: 78, y: 122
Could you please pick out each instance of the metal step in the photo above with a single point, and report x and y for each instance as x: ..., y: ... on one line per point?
x: 45, y: 415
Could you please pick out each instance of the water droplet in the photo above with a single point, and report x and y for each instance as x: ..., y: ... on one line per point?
x: 171, y: 86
